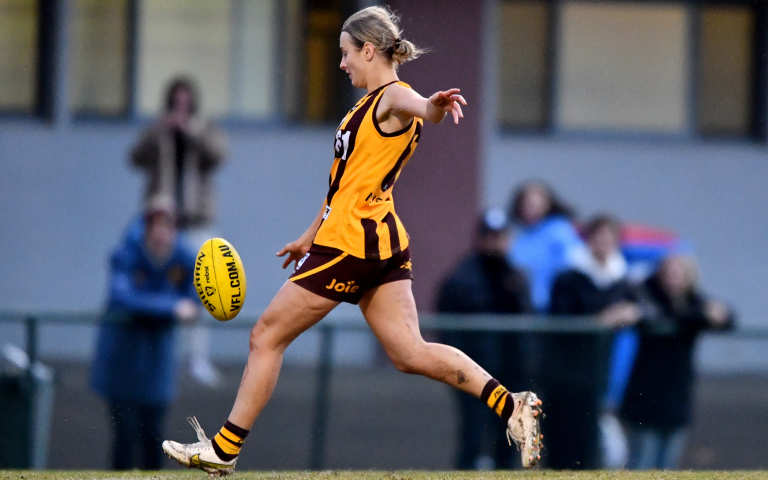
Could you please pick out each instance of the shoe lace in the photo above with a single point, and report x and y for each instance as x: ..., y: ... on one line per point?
x: 511, y: 438
x: 199, y: 430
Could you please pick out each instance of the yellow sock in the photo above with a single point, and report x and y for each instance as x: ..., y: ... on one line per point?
x: 228, y: 442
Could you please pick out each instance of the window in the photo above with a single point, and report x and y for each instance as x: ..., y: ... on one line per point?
x: 251, y: 59
x: 227, y: 47
x: 18, y: 56
x: 315, y: 88
x: 524, y: 64
x: 725, y: 73
x: 669, y: 67
x: 99, y: 77
x: 623, y: 67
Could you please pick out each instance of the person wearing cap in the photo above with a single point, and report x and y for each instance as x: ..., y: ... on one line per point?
x: 485, y: 282
x: 150, y: 291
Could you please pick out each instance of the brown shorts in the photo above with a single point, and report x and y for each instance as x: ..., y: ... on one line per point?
x: 336, y: 275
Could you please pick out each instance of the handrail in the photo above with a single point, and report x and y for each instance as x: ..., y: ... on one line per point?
x: 517, y: 323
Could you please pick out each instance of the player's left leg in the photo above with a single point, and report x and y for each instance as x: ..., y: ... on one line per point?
x: 292, y: 311
x: 390, y: 311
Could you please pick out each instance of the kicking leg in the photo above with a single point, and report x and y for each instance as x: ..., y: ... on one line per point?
x: 291, y: 312
x: 390, y: 311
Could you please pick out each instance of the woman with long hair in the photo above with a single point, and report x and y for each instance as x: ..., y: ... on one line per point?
x: 356, y: 251
x: 544, y: 239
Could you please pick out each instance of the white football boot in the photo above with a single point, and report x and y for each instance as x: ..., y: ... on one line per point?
x: 523, y: 427
x: 199, y: 455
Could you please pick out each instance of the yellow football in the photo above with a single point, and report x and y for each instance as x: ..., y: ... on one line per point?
x: 220, y: 279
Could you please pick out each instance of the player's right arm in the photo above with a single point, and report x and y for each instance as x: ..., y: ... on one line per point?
x: 300, y: 247
x: 406, y: 103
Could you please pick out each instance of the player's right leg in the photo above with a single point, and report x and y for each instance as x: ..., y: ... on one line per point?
x: 390, y: 311
x: 292, y: 311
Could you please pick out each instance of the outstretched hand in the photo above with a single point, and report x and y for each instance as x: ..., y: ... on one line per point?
x: 295, y: 250
x: 449, y: 101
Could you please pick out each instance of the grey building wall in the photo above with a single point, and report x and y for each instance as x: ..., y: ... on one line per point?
x: 68, y: 193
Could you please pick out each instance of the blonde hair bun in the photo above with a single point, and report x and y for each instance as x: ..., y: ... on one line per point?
x: 380, y: 27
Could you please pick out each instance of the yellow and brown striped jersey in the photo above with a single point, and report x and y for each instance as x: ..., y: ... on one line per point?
x: 360, y: 216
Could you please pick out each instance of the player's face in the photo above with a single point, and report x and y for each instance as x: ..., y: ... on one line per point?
x: 352, y: 60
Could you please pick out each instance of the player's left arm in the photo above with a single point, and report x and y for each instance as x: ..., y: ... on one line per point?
x: 434, y: 109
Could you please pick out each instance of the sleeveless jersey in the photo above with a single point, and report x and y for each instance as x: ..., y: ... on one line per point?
x: 359, y: 216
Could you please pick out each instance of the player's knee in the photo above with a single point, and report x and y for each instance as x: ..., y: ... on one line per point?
x: 406, y: 366
x: 260, y: 338
x: 408, y: 360
x: 255, y: 339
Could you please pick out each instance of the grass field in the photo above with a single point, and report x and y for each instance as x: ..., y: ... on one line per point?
x: 374, y: 475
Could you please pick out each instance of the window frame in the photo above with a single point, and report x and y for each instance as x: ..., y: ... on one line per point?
x: 43, y: 104
x: 129, y: 73
x: 53, y: 52
x: 757, y: 131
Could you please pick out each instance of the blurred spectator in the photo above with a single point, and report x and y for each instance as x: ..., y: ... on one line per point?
x: 657, y: 404
x: 150, y: 289
x: 179, y: 155
x: 576, y: 365
x: 485, y: 282
x: 643, y: 247
x: 544, y: 239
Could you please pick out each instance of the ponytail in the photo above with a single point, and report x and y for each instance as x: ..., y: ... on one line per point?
x: 380, y: 27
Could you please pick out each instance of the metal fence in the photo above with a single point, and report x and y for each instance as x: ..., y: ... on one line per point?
x: 328, y: 328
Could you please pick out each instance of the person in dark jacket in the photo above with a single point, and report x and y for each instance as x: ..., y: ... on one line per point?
x: 134, y: 366
x: 485, y: 282
x: 657, y: 403
x: 576, y: 365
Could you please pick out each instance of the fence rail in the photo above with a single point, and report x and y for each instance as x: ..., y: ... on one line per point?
x: 489, y: 323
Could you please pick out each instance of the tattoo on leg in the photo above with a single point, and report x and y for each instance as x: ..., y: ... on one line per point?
x: 461, y: 376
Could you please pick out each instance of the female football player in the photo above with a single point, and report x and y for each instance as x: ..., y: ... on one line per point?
x: 356, y: 251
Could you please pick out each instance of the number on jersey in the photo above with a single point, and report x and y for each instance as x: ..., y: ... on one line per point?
x: 342, y: 144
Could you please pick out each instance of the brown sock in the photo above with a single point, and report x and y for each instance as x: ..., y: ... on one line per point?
x: 228, y: 442
x: 498, y: 399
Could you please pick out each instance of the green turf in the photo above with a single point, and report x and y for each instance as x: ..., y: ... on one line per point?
x: 374, y: 475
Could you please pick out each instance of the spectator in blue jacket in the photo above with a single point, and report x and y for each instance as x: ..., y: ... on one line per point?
x: 134, y: 367
x: 544, y: 240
